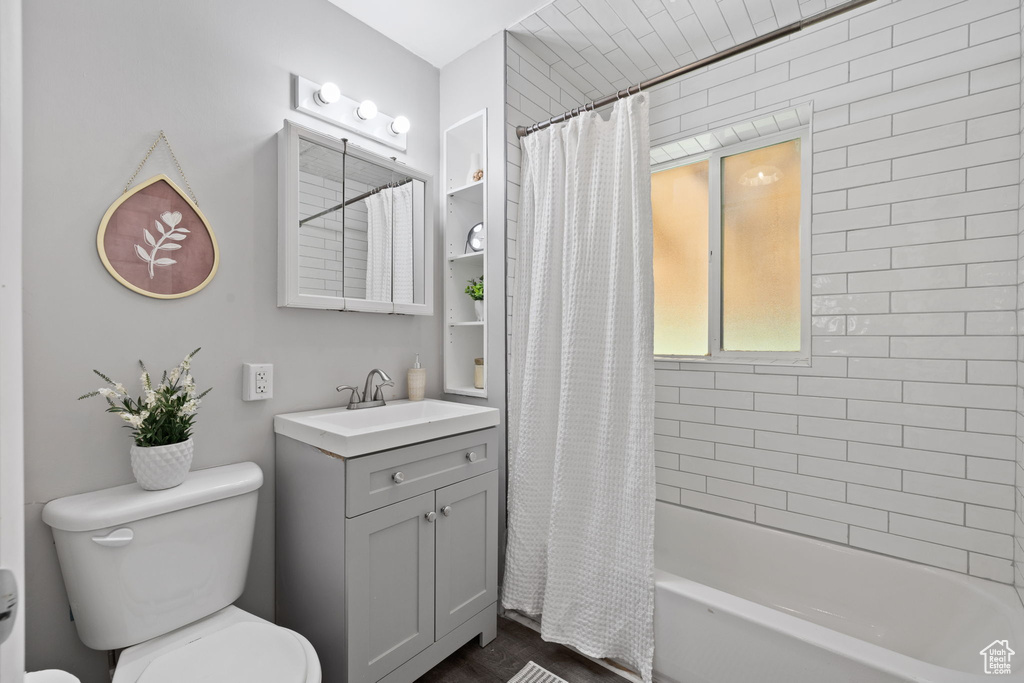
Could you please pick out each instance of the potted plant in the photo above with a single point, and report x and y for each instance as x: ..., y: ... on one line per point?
x: 160, y: 422
x: 475, y: 290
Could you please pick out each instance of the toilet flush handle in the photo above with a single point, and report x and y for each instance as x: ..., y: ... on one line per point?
x: 116, y: 538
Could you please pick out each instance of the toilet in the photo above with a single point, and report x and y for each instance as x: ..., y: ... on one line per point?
x: 156, y: 572
x: 50, y: 676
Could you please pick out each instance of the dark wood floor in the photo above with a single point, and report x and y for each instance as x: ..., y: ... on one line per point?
x: 515, y: 646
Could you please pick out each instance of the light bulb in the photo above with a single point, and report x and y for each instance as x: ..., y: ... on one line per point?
x: 327, y: 93
x: 366, y: 110
x: 399, y: 126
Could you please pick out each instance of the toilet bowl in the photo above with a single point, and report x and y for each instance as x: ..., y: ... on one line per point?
x: 156, y: 573
x: 231, y: 645
x: 50, y: 676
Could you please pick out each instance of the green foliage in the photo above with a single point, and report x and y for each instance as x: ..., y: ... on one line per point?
x: 476, y: 289
x: 164, y: 414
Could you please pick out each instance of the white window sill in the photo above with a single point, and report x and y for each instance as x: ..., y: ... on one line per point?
x: 693, y: 361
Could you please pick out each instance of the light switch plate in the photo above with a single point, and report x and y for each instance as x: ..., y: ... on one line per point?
x: 257, y: 381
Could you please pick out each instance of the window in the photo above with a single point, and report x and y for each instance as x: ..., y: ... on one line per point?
x: 731, y: 252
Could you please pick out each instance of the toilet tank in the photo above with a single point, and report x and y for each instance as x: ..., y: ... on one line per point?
x: 138, y: 564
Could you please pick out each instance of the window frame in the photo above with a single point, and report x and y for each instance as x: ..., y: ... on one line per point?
x: 716, y: 354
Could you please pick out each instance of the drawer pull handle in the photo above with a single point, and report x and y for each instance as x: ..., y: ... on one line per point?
x: 446, y: 510
x: 431, y: 516
x: 398, y: 477
x: 472, y: 456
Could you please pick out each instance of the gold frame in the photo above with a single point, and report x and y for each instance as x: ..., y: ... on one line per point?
x: 121, y: 200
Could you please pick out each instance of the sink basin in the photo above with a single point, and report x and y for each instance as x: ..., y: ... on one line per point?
x: 350, y: 433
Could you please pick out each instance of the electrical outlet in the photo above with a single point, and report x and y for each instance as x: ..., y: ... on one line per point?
x: 257, y: 381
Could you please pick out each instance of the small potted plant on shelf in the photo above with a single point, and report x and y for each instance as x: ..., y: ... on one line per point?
x: 475, y: 290
x: 160, y: 422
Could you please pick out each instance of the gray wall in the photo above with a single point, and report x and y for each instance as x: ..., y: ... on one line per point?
x: 12, y: 547
x: 102, y: 78
x: 900, y: 437
x: 470, y: 83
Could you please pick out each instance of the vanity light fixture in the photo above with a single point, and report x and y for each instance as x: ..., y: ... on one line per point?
x: 328, y: 94
x: 326, y: 102
x: 366, y: 110
x: 400, y: 126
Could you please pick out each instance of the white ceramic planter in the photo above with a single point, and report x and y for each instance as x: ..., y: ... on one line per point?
x: 161, y: 467
x: 478, y: 306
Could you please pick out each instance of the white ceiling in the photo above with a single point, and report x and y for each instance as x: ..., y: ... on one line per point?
x: 601, y: 46
x: 439, y: 30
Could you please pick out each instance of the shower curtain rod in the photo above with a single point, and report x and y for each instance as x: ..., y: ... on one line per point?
x: 354, y: 200
x: 795, y: 27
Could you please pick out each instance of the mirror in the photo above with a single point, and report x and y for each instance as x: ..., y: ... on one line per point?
x: 353, y: 231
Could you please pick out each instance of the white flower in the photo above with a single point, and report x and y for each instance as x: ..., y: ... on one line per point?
x: 144, y: 414
x: 150, y: 398
x: 173, y: 375
x: 135, y: 420
x: 189, y: 407
x: 190, y: 386
x: 144, y: 378
x: 187, y: 363
x: 120, y: 389
x: 107, y: 392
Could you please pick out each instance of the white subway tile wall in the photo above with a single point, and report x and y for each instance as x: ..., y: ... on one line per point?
x: 983, y: 517
x: 903, y: 436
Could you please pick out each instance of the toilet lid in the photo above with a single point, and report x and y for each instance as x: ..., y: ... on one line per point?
x: 246, y: 652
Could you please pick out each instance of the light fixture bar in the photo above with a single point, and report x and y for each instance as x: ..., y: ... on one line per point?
x: 342, y: 112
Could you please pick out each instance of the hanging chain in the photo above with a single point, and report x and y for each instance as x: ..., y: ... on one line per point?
x: 178, y: 165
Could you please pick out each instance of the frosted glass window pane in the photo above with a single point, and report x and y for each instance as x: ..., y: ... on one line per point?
x: 761, y: 249
x: 680, y: 200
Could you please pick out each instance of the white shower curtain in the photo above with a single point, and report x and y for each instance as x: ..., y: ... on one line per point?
x: 389, y: 245
x: 581, y: 400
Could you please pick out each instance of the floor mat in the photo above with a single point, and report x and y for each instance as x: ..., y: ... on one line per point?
x: 532, y: 673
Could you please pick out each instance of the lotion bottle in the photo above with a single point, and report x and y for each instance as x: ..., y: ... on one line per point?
x: 417, y: 380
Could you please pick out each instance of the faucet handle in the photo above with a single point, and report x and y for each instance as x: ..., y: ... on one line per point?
x: 378, y: 395
x: 354, y: 399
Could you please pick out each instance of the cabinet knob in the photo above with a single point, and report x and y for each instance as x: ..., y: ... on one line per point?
x: 472, y: 456
x: 446, y: 510
x: 398, y: 477
x: 431, y: 516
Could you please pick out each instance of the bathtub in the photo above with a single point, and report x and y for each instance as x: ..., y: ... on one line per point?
x: 740, y: 603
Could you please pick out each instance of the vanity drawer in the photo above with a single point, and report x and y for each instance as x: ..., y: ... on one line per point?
x: 373, y: 481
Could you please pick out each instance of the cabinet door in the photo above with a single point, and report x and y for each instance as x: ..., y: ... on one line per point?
x: 467, y: 550
x: 389, y: 587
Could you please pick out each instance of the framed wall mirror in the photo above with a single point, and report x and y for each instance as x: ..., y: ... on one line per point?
x: 356, y: 228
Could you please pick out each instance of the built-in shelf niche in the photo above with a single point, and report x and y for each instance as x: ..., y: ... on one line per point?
x: 465, y: 201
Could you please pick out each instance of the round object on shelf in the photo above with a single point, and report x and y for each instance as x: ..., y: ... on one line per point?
x: 475, y: 238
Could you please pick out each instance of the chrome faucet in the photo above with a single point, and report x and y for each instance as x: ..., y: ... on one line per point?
x: 368, y: 399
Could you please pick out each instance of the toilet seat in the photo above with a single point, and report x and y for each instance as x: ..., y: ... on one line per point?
x: 230, y: 646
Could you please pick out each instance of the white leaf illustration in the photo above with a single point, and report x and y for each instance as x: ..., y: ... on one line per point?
x: 142, y: 253
x: 183, y: 230
x: 169, y: 247
x: 149, y: 238
x: 160, y: 227
x: 171, y: 219
x: 165, y: 262
x: 175, y: 236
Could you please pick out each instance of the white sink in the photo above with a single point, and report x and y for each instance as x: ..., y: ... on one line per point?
x: 350, y: 433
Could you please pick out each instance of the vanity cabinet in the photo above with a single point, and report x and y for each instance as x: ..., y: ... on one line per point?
x: 387, y: 562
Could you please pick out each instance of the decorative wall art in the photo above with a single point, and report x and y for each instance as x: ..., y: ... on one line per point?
x: 154, y: 239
